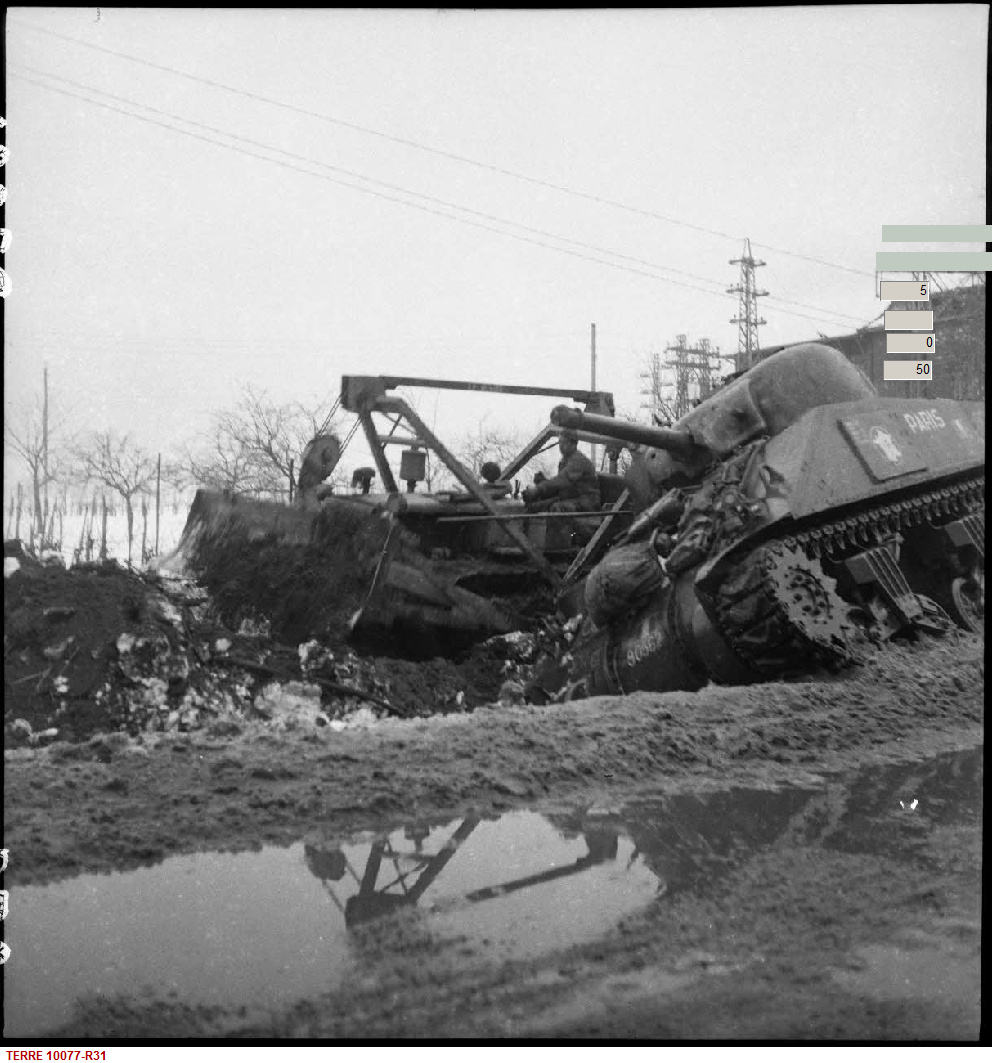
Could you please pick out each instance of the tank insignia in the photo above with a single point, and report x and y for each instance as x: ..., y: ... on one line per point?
x: 885, y: 443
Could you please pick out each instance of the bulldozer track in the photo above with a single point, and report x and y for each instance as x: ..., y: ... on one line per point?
x: 779, y: 609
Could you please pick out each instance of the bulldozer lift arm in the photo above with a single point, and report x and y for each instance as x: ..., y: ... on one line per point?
x: 365, y: 395
x: 391, y: 404
x: 358, y: 392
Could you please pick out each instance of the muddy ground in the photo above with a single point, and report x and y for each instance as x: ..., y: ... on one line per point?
x: 175, y: 734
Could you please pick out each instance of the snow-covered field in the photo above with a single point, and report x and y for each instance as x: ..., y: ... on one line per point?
x: 172, y: 520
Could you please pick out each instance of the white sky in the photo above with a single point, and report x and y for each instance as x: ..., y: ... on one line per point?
x: 153, y: 272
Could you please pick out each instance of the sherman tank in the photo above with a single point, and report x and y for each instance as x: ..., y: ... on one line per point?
x: 785, y: 520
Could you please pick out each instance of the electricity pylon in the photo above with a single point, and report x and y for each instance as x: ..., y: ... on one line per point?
x: 747, y: 319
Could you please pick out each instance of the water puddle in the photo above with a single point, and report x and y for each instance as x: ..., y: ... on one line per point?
x: 264, y: 929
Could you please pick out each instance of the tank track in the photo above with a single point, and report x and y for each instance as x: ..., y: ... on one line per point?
x: 876, y: 523
x: 781, y: 612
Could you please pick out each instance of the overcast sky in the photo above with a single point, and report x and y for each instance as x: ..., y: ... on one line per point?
x: 154, y: 272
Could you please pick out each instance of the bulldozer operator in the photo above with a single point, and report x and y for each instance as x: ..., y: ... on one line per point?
x: 576, y: 487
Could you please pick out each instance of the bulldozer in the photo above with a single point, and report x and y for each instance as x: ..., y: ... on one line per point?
x: 427, y: 572
x: 786, y: 522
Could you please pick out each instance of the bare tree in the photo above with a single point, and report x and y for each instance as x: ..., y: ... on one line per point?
x: 120, y: 465
x: 488, y: 443
x: 255, y: 446
x: 217, y: 461
x: 48, y: 461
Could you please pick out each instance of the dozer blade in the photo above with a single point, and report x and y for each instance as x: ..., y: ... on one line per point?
x: 336, y: 569
x: 411, y: 596
x: 224, y: 520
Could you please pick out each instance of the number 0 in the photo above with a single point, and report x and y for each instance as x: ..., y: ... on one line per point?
x: 929, y: 341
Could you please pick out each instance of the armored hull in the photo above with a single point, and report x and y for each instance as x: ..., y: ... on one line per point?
x: 844, y: 522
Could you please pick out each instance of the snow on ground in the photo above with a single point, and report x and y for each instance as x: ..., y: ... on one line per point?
x: 172, y: 520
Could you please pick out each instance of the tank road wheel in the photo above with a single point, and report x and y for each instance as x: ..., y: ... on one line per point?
x: 968, y: 601
x: 782, y: 613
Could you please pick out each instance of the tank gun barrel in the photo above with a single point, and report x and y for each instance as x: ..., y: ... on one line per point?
x: 679, y: 444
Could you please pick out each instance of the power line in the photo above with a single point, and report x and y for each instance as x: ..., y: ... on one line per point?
x: 359, y: 188
x: 820, y: 261
x: 406, y: 191
x: 441, y: 153
x: 371, y: 180
x: 394, y: 199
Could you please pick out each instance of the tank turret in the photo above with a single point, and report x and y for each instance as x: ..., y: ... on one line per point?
x: 765, y: 401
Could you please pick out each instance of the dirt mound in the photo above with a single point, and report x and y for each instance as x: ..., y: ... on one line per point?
x: 99, y: 648
x: 299, y: 591
x: 60, y: 634
x: 439, y: 685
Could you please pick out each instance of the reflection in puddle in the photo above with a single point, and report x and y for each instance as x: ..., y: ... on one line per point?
x: 265, y: 929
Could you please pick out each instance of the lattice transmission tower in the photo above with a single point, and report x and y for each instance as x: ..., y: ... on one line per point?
x: 687, y: 376
x: 747, y: 319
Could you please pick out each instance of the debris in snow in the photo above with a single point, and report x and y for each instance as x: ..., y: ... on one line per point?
x: 521, y: 645
x: 306, y: 650
x: 100, y: 648
x: 363, y: 719
x: 511, y: 693
x: 57, y: 651
x: 256, y: 628
x: 571, y: 627
x: 44, y: 737
x: 289, y: 705
x: 21, y: 729
x: 163, y: 610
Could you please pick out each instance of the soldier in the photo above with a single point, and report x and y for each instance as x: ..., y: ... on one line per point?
x: 573, y: 490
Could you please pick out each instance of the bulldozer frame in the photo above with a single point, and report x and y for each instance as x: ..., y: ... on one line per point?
x: 366, y: 396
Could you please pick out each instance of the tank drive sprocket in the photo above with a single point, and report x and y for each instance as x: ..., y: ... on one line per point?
x: 781, y: 613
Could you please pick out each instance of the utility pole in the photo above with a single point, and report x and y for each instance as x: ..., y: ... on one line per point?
x: 592, y: 446
x: 44, y: 448
x: 158, y: 498
x: 747, y: 319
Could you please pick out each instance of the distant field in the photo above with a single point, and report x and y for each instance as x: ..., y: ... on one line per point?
x: 172, y: 519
